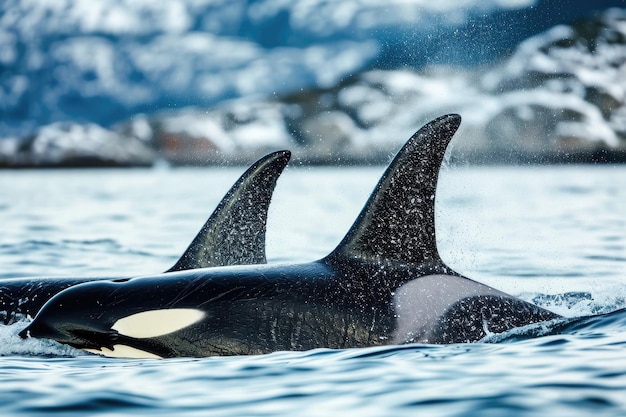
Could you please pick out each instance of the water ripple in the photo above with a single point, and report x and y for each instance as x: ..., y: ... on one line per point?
x: 556, y: 244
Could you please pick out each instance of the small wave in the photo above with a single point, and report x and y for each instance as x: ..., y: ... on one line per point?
x: 531, y: 331
x: 579, y: 303
x: 11, y: 344
x: 82, y: 245
x: 614, y: 321
x: 96, y: 402
x: 566, y: 301
x: 600, y: 324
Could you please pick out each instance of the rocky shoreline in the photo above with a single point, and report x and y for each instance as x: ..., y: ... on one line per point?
x: 560, y: 97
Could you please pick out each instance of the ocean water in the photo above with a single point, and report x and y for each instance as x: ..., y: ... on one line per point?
x: 555, y: 236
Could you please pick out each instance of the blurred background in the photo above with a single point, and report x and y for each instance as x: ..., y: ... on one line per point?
x: 202, y: 82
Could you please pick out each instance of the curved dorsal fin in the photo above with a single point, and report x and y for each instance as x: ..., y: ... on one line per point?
x: 235, y: 232
x: 398, y: 221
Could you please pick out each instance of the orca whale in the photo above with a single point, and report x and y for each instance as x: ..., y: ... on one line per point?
x: 385, y: 283
x: 234, y: 234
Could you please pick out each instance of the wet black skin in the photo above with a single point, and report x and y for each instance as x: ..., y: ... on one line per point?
x: 249, y: 309
x: 371, y: 290
x: 24, y: 297
x: 234, y: 234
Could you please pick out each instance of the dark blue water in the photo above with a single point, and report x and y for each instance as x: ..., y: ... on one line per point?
x: 552, y: 235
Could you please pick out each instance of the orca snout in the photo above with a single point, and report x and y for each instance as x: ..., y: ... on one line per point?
x: 24, y: 334
x: 40, y: 330
x: 75, y: 337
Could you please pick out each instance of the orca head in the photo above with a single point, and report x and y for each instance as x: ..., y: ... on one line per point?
x: 89, y: 317
x: 76, y: 321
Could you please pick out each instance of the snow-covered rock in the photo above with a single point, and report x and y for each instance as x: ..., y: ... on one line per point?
x: 70, y: 145
x: 570, y: 81
x: 103, y: 62
x: 238, y: 134
x: 560, y: 96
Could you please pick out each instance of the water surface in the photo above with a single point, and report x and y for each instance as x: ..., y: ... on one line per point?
x: 555, y: 236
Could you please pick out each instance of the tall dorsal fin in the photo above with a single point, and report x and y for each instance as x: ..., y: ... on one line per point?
x: 235, y: 232
x: 398, y: 221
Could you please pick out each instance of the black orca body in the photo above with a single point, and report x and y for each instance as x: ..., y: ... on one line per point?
x: 233, y: 235
x: 384, y: 284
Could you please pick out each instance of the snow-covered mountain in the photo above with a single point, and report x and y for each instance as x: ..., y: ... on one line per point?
x: 335, y: 80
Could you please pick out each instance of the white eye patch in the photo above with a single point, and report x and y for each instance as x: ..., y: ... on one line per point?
x: 156, y: 323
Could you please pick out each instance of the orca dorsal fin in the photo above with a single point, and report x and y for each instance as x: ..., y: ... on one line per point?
x: 235, y: 232
x: 397, y: 223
